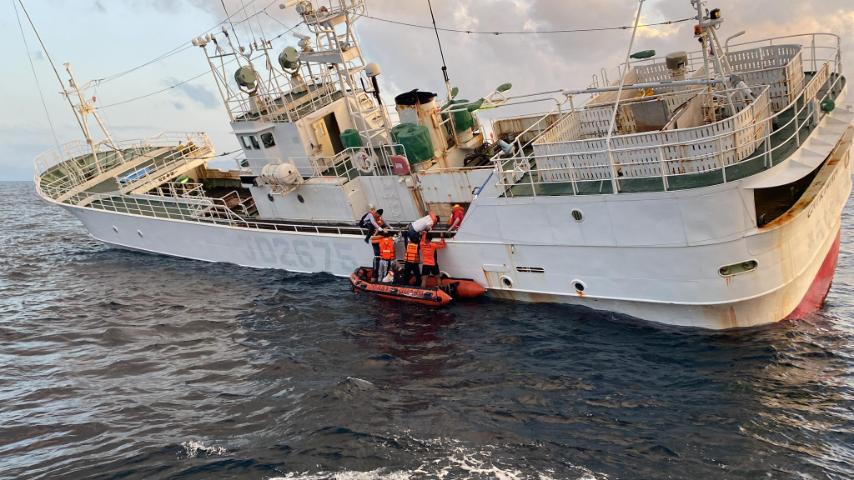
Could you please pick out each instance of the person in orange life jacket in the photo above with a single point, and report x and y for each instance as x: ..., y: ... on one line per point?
x: 411, y: 267
x: 387, y: 254
x: 372, y: 221
x: 429, y: 257
x: 375, y: 243
x: 457, y: 214
x: 423, y: 224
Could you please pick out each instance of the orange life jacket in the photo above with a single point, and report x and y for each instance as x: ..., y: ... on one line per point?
x: 428, y: 250
x: 411, y: 252
x: 387, y: 248
x: 379, y: 219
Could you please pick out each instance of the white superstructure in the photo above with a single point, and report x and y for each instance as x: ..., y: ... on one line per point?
x: 701, y: 188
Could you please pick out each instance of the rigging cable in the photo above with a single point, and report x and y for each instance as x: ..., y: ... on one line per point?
x: 184, y: 46
x: 614, y: 184
x: 188, y: 80
x: 413, y: 25
x: 228, y: 17
x: 527, y: 32
x: 36, y: 77
x: 52, y: 65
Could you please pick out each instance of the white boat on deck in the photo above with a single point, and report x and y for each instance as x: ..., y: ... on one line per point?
x: 700, y: 189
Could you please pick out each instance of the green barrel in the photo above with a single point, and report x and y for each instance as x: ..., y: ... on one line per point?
x: 350, y: 138
x: 463, y: 119
x: 415, y: 140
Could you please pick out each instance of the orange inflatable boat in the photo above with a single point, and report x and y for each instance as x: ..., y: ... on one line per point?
x: 459, y: 287
x: 431, y: 296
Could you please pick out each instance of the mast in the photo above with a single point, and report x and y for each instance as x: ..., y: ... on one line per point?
x: 84, y: 108
x: 707, y: 22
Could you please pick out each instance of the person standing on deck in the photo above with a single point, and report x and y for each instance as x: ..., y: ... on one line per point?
x: 429, y: 257
x: 423, y: 224
x: 372, y: 221
x: 457, y: 214
x: 387, y: 254
x: 411, y: 266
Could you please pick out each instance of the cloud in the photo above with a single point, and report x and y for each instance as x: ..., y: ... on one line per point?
x: 197, y: 93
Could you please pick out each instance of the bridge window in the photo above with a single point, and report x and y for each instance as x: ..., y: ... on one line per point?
x: 248, y: 141
x: 268, y: 140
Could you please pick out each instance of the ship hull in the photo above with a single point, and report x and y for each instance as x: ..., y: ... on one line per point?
x: 797, y: 261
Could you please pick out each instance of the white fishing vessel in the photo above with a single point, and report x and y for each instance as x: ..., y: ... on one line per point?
x: 701, y: 188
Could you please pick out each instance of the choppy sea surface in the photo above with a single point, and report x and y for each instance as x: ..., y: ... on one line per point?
x: 116, y: 364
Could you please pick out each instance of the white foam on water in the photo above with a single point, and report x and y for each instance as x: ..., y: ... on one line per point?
x: 460, y: 462
x: 377, y: 474
x: 193, y: 449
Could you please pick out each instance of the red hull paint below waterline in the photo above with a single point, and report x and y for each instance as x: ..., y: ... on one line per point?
x: 817, y: 292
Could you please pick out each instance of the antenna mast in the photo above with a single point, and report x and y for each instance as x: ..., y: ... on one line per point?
x: 707, y: 22
x: 82, y: 110
x: 441, y: 52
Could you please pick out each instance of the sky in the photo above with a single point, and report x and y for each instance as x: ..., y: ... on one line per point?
x: 103, y: 38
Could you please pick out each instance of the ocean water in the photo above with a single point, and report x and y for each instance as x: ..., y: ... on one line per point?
x: 116, y: 364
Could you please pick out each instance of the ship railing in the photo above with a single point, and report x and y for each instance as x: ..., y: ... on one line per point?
x: 283, y: 106
x: 767, y: 141
x: 352, y: 162
x: 181, y: 190
x: 324, y: 9
x: 749, y: 57
x: 61, y: 171
x: 206, y: 210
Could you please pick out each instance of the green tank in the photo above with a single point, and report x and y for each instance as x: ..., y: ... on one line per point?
x: 350, y: 138
x: 415, y: 140
x: 463, y: 119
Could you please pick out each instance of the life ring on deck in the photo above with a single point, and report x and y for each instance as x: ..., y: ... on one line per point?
x: 364, y: 161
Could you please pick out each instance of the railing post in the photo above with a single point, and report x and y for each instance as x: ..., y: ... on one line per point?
x: 530, y: 176
x: 720, y: 153
x: 572, y: 175
x: 768, y: 153
x: 814, y: 65
x: 663, y: 167
x: 797, y: 123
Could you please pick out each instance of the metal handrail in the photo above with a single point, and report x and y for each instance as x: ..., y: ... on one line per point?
x: 811, y: 89
x: 206, y: 210
x: 74, y: 174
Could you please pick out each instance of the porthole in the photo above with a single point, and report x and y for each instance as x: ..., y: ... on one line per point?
x: 506, y: 281
x: 115, y: 229
x: 579, y: 286
x: 301, y: 200
x: 577, y: 215
x: 270, y: 197
x: 139, y: 232
x: 736, y: 268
